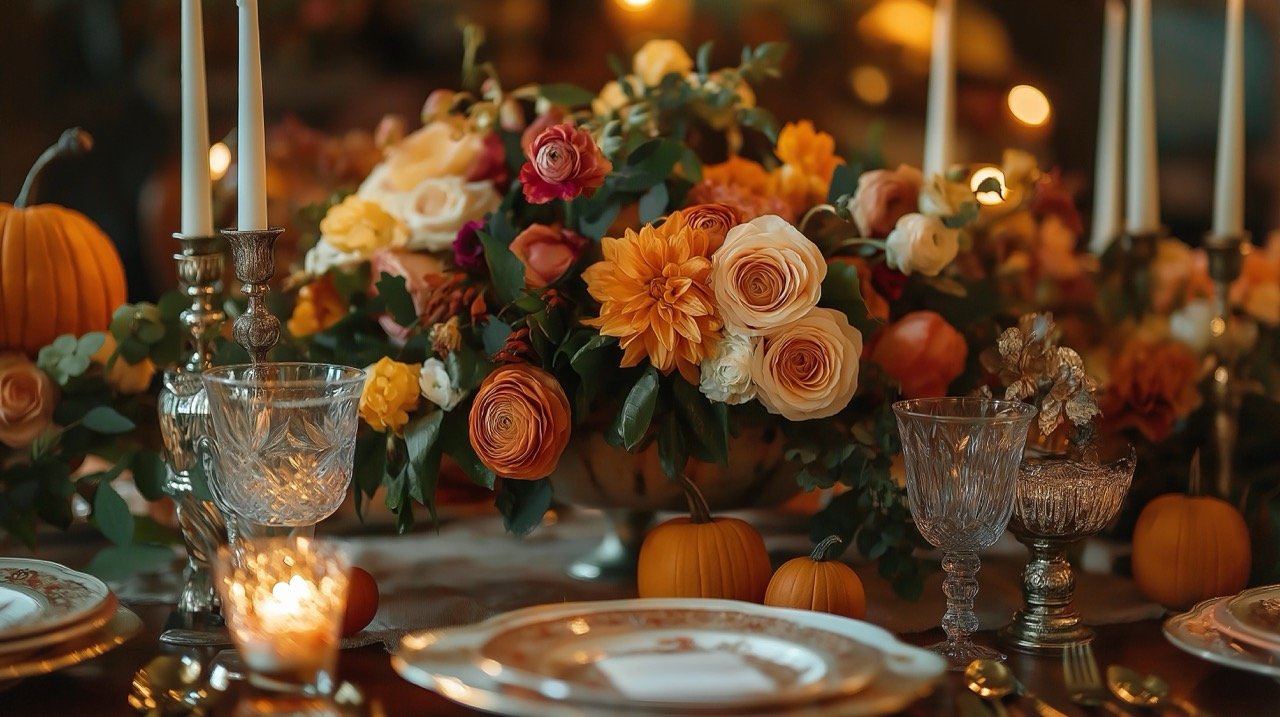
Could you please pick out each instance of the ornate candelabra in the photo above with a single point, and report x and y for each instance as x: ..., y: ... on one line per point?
x: 184, y: 418
x: 253, y: 253
x: 1226, y: 258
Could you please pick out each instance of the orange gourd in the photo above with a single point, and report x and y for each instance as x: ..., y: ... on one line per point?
x: 1189, y: 548
x: 59, y: 273
x: 703, y: 557
x: 816, y: 582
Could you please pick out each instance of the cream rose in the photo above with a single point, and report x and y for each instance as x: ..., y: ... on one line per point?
x: 659, y: 58
x: 922, y: 244
x: 809, y: 368
x: 443, y: 148
x: 726, y: 374
x: 27, y: 397
x: 765, y: 275
x: 437, y: 208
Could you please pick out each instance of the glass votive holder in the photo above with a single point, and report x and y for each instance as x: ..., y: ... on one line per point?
x: 283, y: 599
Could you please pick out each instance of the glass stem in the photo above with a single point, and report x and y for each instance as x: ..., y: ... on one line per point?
x: 960, y: 587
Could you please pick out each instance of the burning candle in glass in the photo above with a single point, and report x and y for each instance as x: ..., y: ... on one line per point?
x: 283, y: 600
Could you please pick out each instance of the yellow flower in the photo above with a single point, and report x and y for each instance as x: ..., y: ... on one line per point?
x: 319, y: 307
x: 655, y: 295
x: 808, y: 162
x: 360, y: 226
x: 123, y: 376
x: 390, y: 392
x: 659, y: 58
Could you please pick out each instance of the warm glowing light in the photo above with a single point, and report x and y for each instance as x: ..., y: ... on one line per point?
x: 908, y: 23
x: 634, y: 5
x: 219, y: 160
x: 982, y: 175
x: 1217, y: 327
x: 1029, y: 105
x: 870, y: 84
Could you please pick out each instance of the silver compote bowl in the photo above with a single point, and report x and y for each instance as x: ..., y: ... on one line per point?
x: 1060, y: 499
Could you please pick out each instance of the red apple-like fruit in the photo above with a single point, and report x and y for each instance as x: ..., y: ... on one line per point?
x: 362, y: 602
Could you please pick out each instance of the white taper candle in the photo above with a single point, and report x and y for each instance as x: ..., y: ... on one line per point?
x: 1109, y: 166
x: 1142, y: 177
x: 940, y: 115
x: 1228, y: 187
x: 197, y: 201
x: 251, y: 200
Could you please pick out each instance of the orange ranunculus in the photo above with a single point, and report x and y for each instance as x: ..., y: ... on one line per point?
x: 1150, y: 386
x: 319, y: 307
x: 27, y: 397
x: 716, y: 219
x: 520, y: 422
x: 808, y: 162
x: 654, y: 289
x: 877, y: 305
x: 808, y: 368
x: 922, y: 352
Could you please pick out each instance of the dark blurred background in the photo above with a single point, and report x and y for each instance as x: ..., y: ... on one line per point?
x: 858, y: 68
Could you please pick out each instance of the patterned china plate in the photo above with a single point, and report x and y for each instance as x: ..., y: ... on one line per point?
x: 91, y: 622
x: 1253, y: 616
x: 449, y: 662
x: 122, y: 626
x: 1196, y: 632
x: 38, y: 596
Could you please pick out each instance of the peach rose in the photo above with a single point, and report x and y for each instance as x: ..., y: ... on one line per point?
x: 883, y: 197
x: 520, y: 422
x: 809, y: 367
x: 922, y: 352
x: 1150, y: 386
x: 546, y: 252
x: 27, y: 397
x: 442, y: 148
x: 766, y: 275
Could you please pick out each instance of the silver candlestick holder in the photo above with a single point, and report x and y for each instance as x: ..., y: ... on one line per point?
x: 1139, y: 251
x: 253, y: 254
x: 184, y: 418
x: 1226, y: 259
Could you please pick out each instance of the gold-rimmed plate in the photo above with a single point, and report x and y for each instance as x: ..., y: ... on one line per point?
x: 84, y: 626
x: 123, y: 625
x: 38, y: 596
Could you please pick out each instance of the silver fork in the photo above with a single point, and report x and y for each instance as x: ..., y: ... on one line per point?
x: 1084, y: 681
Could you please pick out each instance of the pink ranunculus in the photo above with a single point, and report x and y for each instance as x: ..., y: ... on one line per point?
x: 540, y: 124
x: 922, y: 352
x: 546, y: 252
x: 564, y: 162
x: 882, y: 198
x: 418, y: 269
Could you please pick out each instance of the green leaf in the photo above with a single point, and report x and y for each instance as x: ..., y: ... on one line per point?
x: 456, y: 442
x: 693, y: 166
x: 672, y: 453
x: 594, y: 226
x: 107, y: 420
x: 698, y: 413
x: 504, y: 267
x: 89, y: 344
x: 467, y: 369
x: 421, y: 435
x: 111, y: 514
x: 494, y: 335
x: 703, y: 61
x: 523, y: 503
x: 118, y: 562
x: 843, y: 183
x: 615, y: 64
x: 149, y: 473
x: 633, y: 419
x: 840, y: 290
x: 760, y: 119
x: 566, y: 94
x: 395, y: 295
x: 653, y: 203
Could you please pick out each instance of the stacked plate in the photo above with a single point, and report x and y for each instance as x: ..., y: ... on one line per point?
x: 669, y: 656
x: 1241, y: 631
x: 52, y: 616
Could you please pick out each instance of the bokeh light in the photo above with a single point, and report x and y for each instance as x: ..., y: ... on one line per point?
x: 870, y: 84
x: 982, y: 175
x: 219, y: 160
x: 1029, y: 105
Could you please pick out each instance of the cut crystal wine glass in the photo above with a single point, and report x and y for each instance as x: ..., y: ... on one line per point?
x: 284, y: 437
x: 962, y: 458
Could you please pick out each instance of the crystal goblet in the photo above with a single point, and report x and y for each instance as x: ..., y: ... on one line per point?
x: 961, y: 457
x: 284, y: 438
x: 1060, y: 499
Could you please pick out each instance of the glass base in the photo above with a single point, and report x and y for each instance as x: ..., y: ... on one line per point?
x: 303, y: 681
x: 959, y: 654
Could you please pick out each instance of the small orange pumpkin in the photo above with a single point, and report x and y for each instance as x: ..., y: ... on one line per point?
x: 703, y: 557
x: 1189, y: 548
x: 816, y: 582
x: 59, y: 273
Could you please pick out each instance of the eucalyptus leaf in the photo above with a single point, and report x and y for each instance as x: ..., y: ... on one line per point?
x: 107, y: 420
x: 111, y: 514
x: 653, y: 203
x: 149, y: 473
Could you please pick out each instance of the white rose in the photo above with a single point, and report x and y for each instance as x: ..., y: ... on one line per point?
x: 1190, y: 324
x: 726, y: 374
x: 324, y: 257
x: 437, y: 387
x: 921, y: 243
x: 437, y: 208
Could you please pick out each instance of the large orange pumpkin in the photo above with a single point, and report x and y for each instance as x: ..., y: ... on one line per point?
x: 816, y: 582
x: 59, y: 273
x: 1190, y: 548
x: 703, y: 557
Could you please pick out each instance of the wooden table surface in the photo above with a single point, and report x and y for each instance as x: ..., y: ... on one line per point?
x: 100, y: 687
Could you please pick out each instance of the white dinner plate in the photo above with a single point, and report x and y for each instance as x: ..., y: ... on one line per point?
x: 1196, y: 631
x: 38, y: 596
x: 451, y: 663
x: 1253, y: 616
x: 123, y: 625
x: 87, y: 624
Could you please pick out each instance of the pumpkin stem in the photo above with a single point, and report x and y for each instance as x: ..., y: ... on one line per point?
x: 822, y: 551
x: 699, y: 511
x: 1193, y: 480
x: 72, y: 142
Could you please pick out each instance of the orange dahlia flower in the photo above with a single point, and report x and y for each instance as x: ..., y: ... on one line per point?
x: 654, y: 289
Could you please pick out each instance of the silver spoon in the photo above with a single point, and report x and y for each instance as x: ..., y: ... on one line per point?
x: 993, y: 681
x: 1147, y: 691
